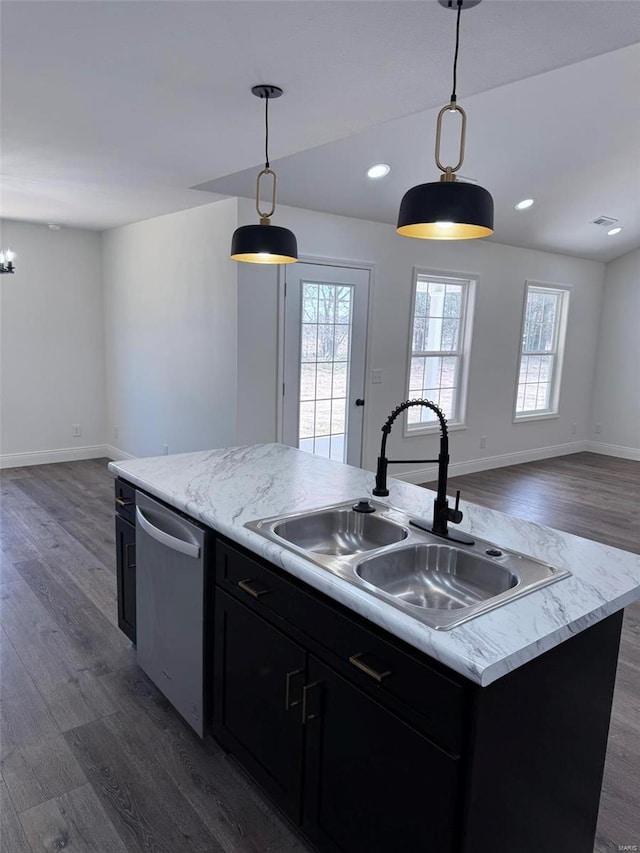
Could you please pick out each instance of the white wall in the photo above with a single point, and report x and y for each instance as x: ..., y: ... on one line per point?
x: 502, y: 271
x: 52, y: 345
x: 191, y: 338
x: 171, y: 331
x: 257, y: 353
x: 616, y: 394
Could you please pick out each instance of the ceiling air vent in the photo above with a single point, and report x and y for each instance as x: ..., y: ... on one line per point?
x: 604, y: 221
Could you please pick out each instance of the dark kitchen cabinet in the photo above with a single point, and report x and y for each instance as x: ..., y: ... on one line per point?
x: 375, y: 747
x: 259, y: 673
x: 371, y: 781
x: 126, y: 558
x: 302, y: 730
x: 337, y: 747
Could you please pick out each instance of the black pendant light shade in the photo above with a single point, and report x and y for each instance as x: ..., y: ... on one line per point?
x: 446, y: 210
x: 264, y: 244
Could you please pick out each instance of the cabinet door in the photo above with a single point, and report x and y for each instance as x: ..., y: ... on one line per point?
x: 257, y: 700
x: 126, y: 563
x: 372, y: 782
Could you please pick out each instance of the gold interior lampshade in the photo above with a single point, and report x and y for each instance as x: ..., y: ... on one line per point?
x: 264, y: 244
x: 446, y: 211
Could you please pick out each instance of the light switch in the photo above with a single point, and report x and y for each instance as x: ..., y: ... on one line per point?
x: 376, y: 377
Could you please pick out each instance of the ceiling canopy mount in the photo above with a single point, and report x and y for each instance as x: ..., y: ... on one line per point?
x: 464, y: 4
x: 265, y: 90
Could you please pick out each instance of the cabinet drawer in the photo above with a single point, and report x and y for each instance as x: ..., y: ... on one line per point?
x: 380, y: 666
x: 125, y: 500
x: 374, y: 661
x: 252, y: 582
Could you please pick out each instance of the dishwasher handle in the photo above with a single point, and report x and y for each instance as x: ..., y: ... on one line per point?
x: 187, y: 548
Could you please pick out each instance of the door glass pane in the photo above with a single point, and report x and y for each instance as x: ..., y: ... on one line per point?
x: 324, y: 371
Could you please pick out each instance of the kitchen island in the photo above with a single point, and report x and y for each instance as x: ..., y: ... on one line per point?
x: 503, y: 748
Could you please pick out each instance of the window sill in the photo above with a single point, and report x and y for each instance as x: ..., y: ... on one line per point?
x: 433, y: 429
x: 543, y: 416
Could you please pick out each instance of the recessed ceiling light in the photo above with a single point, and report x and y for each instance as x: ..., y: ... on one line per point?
x: 525, y: 204
x: 54, y: 226
x: 612, y: 231
x: 380, y: 170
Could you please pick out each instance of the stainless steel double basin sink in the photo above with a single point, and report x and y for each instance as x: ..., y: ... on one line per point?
x: 439, y: 582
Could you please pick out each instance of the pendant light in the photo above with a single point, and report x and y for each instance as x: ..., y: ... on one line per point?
x: 265, y: 243
x: 447, y: 209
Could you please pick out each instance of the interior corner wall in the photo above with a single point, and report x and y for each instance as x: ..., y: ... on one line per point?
x: 502, y: 272
x: 52, y: 346
x: 616, y: 395
x: 171, y: 332
x: 257, y: 353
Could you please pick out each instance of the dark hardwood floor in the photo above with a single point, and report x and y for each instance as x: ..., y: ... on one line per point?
x: 92, y: 756
x: 596, y: 497
x: 94, y: 759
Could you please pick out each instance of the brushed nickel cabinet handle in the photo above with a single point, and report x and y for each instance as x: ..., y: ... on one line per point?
x: 245, y: 585
x: 288, y: 704
x: 124, y: 501
x: 368, y: 670
x: 306, y: 716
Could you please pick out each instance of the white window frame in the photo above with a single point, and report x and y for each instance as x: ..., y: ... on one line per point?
x: 560, y: 335
x: 469, y: 282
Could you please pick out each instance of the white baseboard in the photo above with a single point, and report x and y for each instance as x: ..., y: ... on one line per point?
x: 116, y: 454
x: 456, y: 469
x: 613, y: 450
x: 44, y: 457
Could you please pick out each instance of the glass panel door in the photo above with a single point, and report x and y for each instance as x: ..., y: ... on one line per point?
x: 324, y: 368
x: 325, y: 341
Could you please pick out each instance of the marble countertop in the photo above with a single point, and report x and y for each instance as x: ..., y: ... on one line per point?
x: 225, y: 488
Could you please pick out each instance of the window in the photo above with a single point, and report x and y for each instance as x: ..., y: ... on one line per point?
x: 324, y: 368
x: 543, y: 332
x: 440, y: 339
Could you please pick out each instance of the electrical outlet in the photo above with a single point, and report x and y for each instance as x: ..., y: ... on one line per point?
x: 115, y: 431
x: 574, y: 429
x: 597, y: 429
x: 483, y: 442
x: 165, y: 449
x: 376, y: 377
x: 75, y: 430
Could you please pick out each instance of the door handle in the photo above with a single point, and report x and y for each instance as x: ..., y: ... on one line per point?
x: 288, y: 704
x: 245, y: 585
x: 166, y: 539
x: 308, y: 714
x: 123, y: 502
x: 360, y: 401
x: 378, y: 676
x: 127, y: 555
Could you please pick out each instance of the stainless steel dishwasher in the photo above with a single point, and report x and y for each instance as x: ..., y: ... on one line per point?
x: 170, y: 600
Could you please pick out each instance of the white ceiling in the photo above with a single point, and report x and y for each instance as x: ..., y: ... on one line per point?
x: 112, y: 110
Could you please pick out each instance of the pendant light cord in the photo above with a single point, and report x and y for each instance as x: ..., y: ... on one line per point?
x: 455, y: 57
x: 266, y: 131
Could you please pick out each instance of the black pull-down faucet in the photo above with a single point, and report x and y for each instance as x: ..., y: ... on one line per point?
x: 442, y: 513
